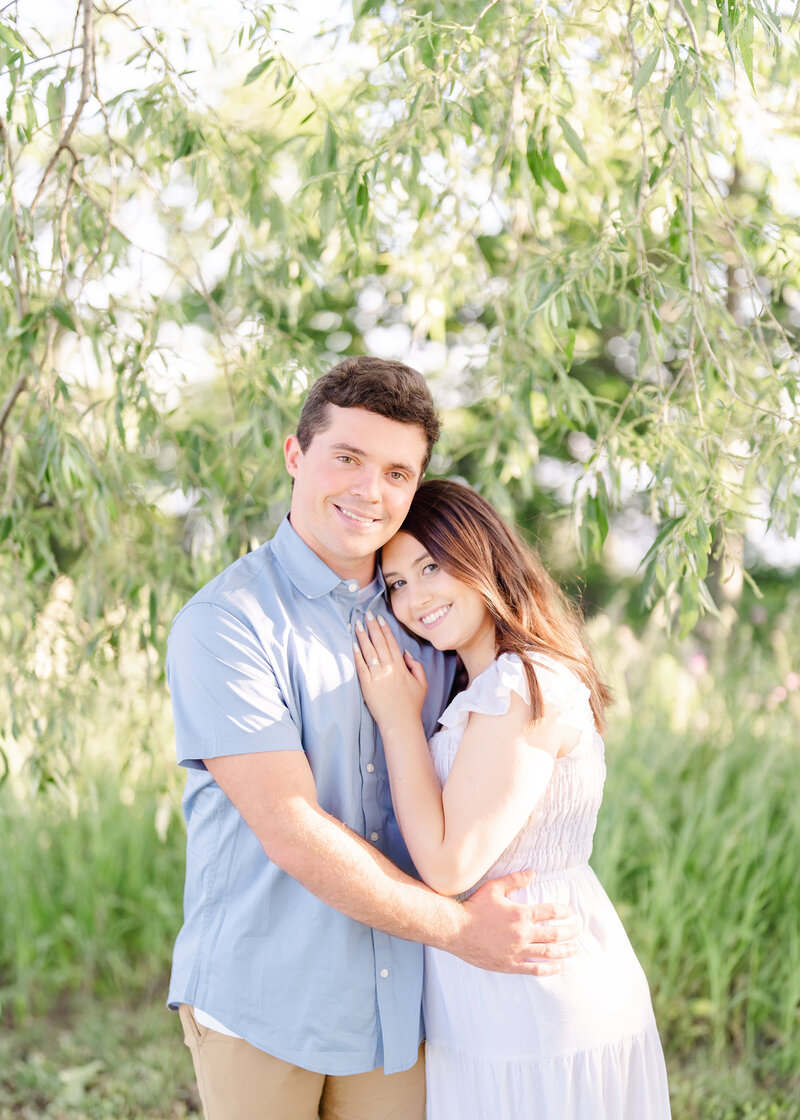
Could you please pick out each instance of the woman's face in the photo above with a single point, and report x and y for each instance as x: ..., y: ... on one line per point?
x: 433, y: 604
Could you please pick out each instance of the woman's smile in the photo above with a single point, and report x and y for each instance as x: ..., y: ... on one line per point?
x: 431, y: 618
x: 435, y: 605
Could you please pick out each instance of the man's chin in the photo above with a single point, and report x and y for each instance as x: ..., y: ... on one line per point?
x: 363, y: 547
x: 366, y: 540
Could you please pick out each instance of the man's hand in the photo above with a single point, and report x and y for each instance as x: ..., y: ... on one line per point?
x: 506, y: 936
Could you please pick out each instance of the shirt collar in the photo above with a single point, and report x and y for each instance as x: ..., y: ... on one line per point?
x: 311, y: 576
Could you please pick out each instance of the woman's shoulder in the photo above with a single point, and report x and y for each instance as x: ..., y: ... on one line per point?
x: 489, y: 693
x: 565, y: 692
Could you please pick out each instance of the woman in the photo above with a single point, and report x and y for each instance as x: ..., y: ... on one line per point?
x: 513, y: 780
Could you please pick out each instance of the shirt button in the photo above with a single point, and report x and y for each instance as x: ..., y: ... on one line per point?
x: 352, y: 587
x: 370, y: 768
x: 384, y: 972
x: 373, y: 836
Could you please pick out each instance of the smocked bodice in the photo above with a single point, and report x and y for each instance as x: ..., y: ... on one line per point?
x: 558, y: 834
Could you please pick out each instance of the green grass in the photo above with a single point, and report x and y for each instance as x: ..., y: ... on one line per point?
x: 103, y: 1059
x: 697, y: 846
x: 98, y: 1059
x: 91, y: 897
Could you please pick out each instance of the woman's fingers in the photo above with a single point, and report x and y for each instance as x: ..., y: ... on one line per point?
x: 368, y: 652
x: 362, y: 669
x: 416, y: 668
x: 377, y: 642
x: 382, y: 638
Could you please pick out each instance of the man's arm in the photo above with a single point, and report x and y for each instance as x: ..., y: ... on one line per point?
x: 276, y: 795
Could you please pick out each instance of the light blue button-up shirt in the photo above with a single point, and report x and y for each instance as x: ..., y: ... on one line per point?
x: 261, y: 659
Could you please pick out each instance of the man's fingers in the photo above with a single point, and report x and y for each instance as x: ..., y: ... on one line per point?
x: 540, y: 968
x: 562, y: 929
x: 550, y: 911
x: 550, y: 950
x: 514, y: 881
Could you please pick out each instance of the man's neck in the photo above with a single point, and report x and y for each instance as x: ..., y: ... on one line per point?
x: 362, y: 570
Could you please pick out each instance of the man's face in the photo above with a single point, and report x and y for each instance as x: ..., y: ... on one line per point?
x: 353, y: 485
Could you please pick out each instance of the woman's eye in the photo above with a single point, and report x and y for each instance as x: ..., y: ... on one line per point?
x: 432, y: 567
x: 398, y: 583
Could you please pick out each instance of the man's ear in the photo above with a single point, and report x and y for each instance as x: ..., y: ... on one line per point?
x: 292, y: 454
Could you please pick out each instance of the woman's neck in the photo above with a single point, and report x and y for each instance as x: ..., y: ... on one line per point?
x: 479, y: 653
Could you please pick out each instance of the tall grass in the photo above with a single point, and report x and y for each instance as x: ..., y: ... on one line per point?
x: 91, y: 900
x: 699, y: 836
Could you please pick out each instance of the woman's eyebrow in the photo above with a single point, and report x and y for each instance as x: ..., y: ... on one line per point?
x: 419, y: 559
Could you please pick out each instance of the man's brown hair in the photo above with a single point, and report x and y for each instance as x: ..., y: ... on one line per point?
x: 389, y: 389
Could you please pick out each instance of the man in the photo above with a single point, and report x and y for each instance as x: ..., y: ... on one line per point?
x: 298, y: 969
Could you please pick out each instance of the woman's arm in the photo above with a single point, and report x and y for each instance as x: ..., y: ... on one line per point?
x: 501, y: 769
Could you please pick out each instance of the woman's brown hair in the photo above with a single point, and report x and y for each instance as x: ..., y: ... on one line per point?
x: 468, y: 539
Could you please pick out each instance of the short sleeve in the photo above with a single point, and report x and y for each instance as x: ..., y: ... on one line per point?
x: 490, y: 692
x: 226, y: 699
x: 562, y: 689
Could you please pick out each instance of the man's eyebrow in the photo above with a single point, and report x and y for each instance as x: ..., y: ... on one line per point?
x: 347, y: 447
x: 419, y: 559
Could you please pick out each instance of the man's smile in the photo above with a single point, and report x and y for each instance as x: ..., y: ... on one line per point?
x: 356, y: 518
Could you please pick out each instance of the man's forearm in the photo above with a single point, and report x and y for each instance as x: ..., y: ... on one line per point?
x: 489, y: 931
x: 277, y: 797
x: 349, y: 874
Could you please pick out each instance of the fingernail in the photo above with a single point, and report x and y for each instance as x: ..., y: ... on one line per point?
x: 356, y: 647
x: 370, y: 616
x: 381, y: 620
x: 359, y: 625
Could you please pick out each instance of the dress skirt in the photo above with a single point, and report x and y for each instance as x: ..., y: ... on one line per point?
x: 582, y: 1045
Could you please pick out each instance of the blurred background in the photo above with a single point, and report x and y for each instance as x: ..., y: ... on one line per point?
x: 581, y: 223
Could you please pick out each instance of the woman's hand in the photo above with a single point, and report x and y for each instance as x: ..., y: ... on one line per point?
x: 393, y: 682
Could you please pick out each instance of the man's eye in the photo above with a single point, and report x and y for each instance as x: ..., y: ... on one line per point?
x: 344, y: 458
x: 398, y: 476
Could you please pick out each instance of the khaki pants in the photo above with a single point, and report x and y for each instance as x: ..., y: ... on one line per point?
x: 237, y: 1081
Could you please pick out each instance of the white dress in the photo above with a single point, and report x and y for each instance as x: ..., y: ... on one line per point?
x: 582, y: 1045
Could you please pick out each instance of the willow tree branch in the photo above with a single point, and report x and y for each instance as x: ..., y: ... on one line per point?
x: 5, y: 411
x: 21, y: 288
x: 86, y: 72
x: 21, y: 292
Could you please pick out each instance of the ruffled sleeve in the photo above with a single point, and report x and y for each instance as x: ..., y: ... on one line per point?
x: 490, y: 692
x: 565, y: 691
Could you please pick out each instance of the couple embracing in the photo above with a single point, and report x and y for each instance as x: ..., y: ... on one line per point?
x: 393, y: 687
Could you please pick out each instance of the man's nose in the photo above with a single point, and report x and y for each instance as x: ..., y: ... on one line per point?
x: 367, y: 485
